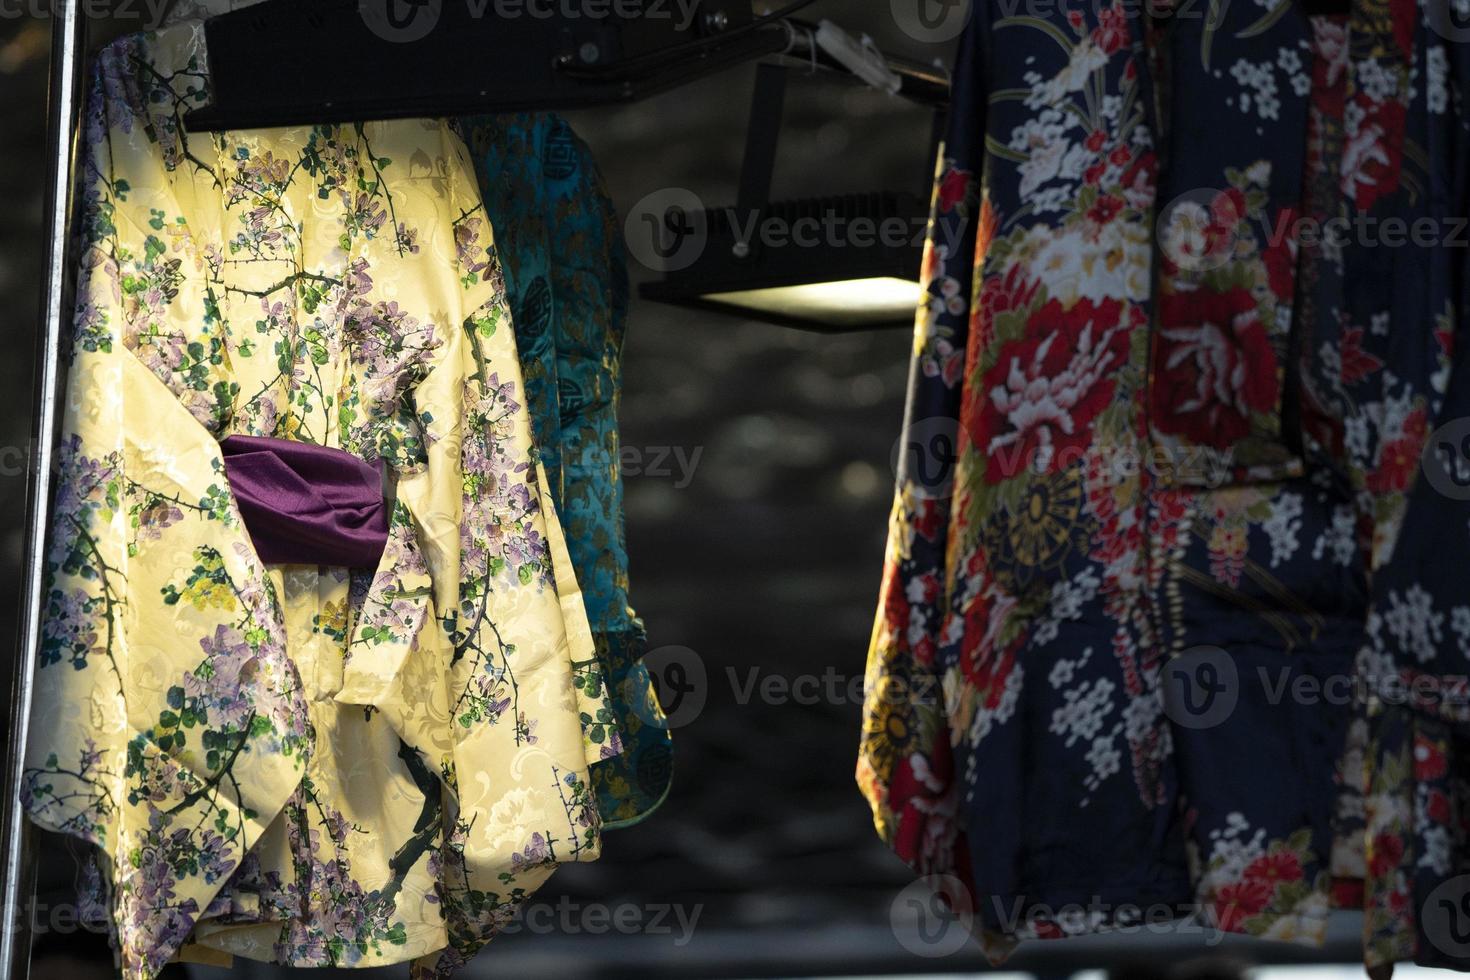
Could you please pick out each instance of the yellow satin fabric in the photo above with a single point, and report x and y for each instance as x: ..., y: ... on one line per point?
x: 298, y: 763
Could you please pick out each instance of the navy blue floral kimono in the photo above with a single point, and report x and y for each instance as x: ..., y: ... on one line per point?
x: 1181, y: 531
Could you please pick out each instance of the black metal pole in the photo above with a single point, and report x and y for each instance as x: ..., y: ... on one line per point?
x: 67, y: 55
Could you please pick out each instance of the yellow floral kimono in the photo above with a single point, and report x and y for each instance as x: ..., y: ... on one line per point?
x: 294, y: 763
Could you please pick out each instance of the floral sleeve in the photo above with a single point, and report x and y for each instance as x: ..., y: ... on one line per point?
x: 169, y: 723
x: 904, y: 763
x: 514, y: 652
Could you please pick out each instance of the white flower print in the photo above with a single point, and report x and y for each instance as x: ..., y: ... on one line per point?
x: 1064, y: 669
x: 1067, y: 598
x: 1339, y: 539
x: 1087, y: 707
x: 1283, y: 526
x: 1460, y: 623
x: 1413, y: 622
x: 1437, y: 849
x: 1437, y: 83
x: 1104, y: 758
x: 1264, y: 94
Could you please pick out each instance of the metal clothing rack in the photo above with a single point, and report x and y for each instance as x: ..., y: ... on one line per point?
x: 285, y: 62
x: 68, y: 44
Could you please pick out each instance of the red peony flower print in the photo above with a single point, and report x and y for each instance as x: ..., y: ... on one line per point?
x: 1138, y: 182
x: 1429, y: 761
x: 1040, y: 397
x: 927, y: 518
x: 1384, y: 854
x: 1438, y: 807
x: 1373, y: 154
x: 1405, y: 15
x: 1280, y: 866
x: 920, y: 779
x: 1398, y: 460
x: 1229, y: 207
x: 1240, y: 900
x: 954, y: 187
x: 1014, y: 291
x: 1280, y: 255
x: 1357, y: 363
x: 1213, y: 366
x: 1112, y: 29
x: 1105, y: 209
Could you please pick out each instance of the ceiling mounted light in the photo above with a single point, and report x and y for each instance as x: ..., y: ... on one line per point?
x: 832, y: 264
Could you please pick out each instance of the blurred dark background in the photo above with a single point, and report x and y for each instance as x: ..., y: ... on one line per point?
x: 763, y: 561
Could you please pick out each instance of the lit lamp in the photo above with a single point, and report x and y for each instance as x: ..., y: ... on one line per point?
x: 833, y: 264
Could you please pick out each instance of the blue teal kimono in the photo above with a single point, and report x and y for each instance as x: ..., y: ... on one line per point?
x: 561, y: 249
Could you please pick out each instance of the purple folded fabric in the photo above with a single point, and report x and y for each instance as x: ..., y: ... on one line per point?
x: 307, y: 504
